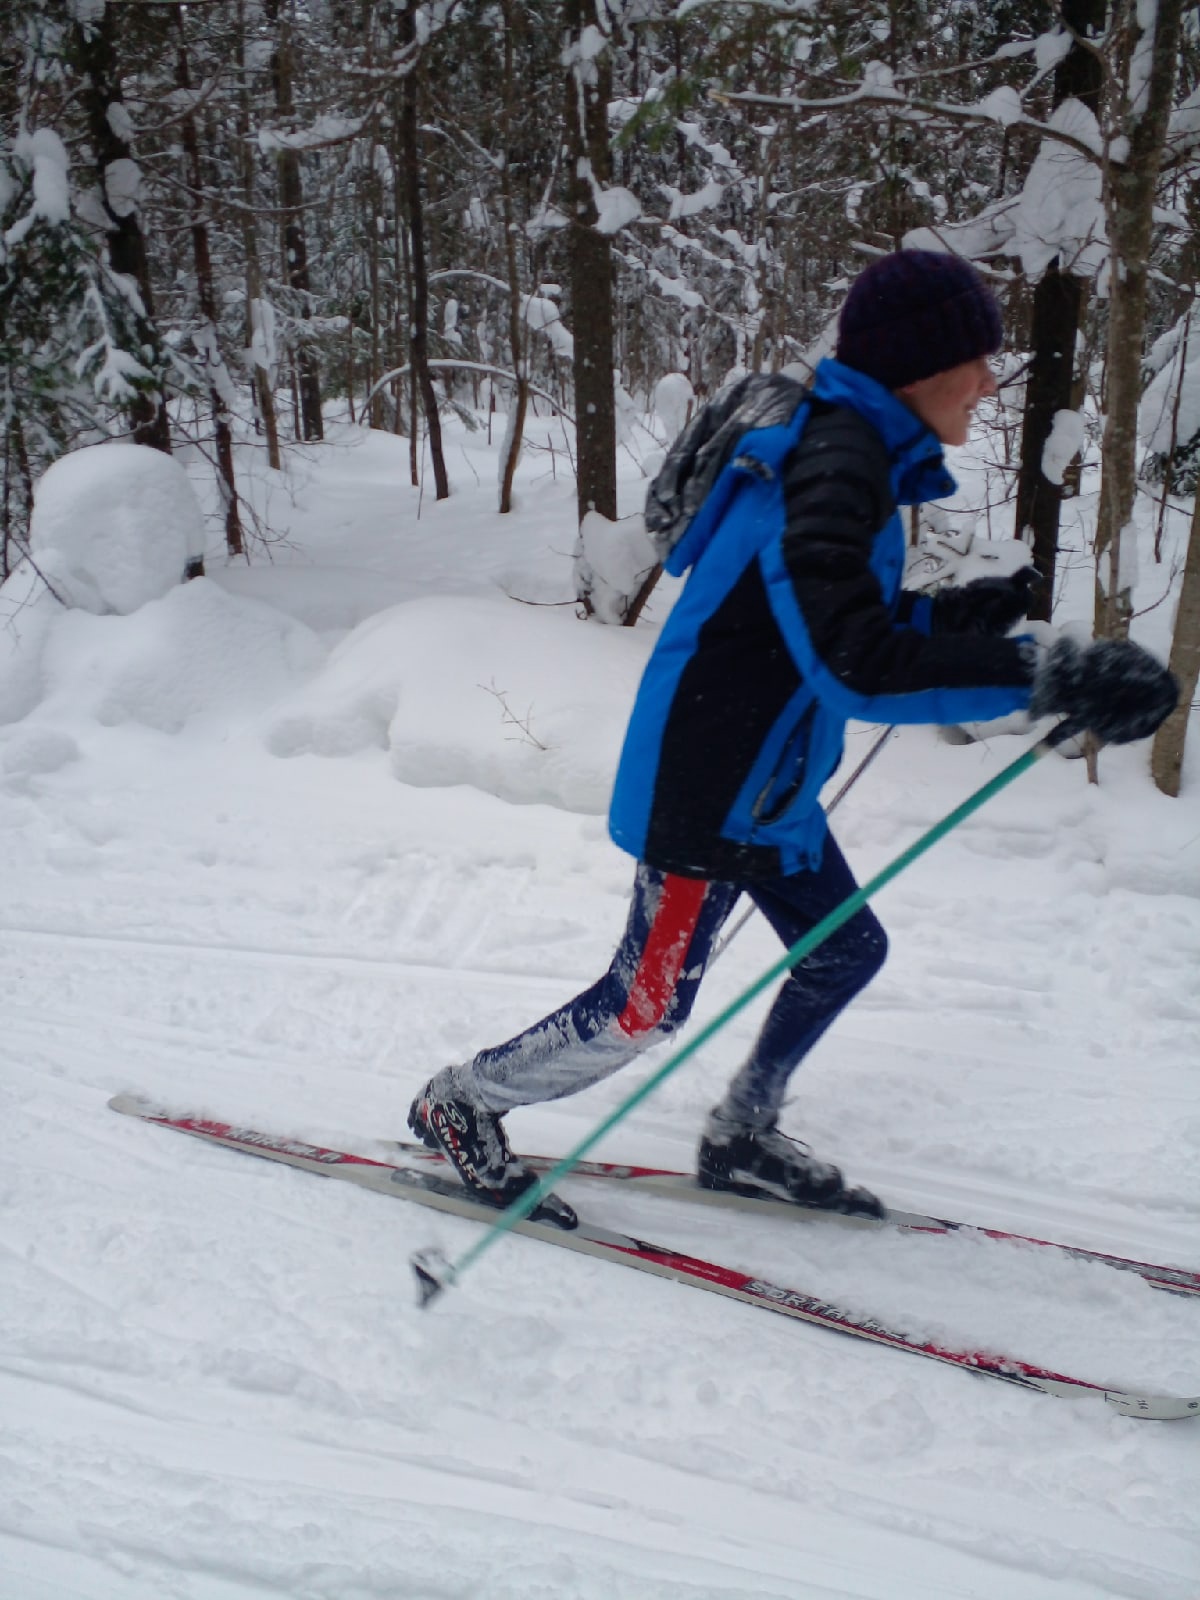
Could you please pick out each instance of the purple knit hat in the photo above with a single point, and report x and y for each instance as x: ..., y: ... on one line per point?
x: 915, y: 313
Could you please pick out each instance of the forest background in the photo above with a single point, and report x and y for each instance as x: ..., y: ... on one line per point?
x: 218, y: 220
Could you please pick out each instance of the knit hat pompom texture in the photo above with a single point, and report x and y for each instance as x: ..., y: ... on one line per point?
x: 914, y: 313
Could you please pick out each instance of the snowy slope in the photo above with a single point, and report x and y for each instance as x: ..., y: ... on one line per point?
x: 273, y: 852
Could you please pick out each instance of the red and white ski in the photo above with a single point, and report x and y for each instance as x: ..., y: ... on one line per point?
x: 421, y: 1181
x: 683, y: 1186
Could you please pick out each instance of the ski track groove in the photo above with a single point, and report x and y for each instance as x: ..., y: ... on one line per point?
x: 1142, y: 1227
x: 320, y: 1460
x: 334, y: 960
x: 555, y: 989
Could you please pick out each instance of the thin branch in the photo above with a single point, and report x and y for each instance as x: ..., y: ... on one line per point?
x: 470, y: 366
x: 510, y: 719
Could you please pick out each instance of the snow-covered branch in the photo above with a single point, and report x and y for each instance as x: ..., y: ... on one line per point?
x: 1001, y: 108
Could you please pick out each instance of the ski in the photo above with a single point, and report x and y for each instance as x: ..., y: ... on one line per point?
x: 424, y: 1184
x: 683, y: 1186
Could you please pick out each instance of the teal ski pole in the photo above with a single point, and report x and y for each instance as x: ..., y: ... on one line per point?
x: 435, y: 1274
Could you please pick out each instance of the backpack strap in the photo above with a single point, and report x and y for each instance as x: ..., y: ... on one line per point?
x: 747, y: 430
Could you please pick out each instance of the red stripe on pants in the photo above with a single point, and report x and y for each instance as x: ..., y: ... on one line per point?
x: 663, y: 955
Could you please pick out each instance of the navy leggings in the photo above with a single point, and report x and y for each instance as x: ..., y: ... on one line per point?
x: 648, y: 991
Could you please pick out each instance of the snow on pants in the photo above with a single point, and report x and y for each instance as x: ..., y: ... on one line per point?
x: 648, y: 991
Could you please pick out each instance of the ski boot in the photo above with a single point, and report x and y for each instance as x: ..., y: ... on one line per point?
x: 763, y: 1161
x: 450, y: 1118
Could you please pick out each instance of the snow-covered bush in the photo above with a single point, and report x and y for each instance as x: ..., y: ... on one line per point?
x: 114, y: 526
x: 613, y: 560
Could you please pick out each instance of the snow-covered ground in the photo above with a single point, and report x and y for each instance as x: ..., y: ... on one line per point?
x: 278, y: 844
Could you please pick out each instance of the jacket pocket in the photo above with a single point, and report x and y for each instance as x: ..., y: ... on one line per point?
x: 785, y: 781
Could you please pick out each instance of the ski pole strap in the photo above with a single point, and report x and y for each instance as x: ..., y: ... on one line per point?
x: 533, y: 1197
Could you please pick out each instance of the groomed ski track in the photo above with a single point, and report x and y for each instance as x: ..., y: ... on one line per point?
x: 245, y: 1343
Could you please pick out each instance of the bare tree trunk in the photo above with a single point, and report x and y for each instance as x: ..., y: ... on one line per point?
x: 1166, y: 759
x: 95, y: 44
x: 16, y: 472
x: 402, y: 312
x: 1057, y: 306
x: 372, y: 194
x: 588, y: 92
x: 410, y: 145
x: 220, y: 383
x: 1130, y: 207
x: 519, y: 400
x: 291, y: 205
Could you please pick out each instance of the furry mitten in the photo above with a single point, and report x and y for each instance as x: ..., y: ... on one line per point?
x: 988, y: 605
x: 1112, y: 688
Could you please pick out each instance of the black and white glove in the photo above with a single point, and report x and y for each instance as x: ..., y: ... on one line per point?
x: 987, y: 606
x: 1112, y: 688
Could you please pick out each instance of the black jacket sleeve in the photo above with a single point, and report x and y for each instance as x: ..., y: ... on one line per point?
x: 837, y: 494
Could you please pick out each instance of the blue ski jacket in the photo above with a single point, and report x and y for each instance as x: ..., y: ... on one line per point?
x: 792, y: 621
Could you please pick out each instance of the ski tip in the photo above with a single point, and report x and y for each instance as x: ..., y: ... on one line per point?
x: 433, y: 1274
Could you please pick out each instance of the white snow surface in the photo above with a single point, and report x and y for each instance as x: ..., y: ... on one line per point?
x: 274, y: 854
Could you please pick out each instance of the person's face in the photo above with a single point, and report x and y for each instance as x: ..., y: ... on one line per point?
x: 946, y: 402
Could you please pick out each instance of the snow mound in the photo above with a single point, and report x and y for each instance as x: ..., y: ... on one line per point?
x: 27, y: 612
x: 526, y: 704
x: 37, y: 753
x: 197, y: 652
x: 114, y: 526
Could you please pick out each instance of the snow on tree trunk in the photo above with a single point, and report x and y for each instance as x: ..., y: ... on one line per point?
x: 410, y: 136
x: 1058, y: 299
x: 206, y: 338
x: 588, y: 92
x: 1152, y: 50
x: 261, y: 348
x: 1166, y: 759
x: 291, y: 205
x: 514, y: 430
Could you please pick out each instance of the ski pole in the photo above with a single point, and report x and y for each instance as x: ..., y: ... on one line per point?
x: 434, y: 1273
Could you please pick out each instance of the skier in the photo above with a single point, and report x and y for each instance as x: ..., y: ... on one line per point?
x: 782, y: 502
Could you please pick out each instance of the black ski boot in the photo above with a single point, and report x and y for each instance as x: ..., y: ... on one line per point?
x: 447, y: 1117
x: 763, y: 1161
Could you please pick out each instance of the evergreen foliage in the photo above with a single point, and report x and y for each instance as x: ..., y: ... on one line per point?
x: 758, y: 155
